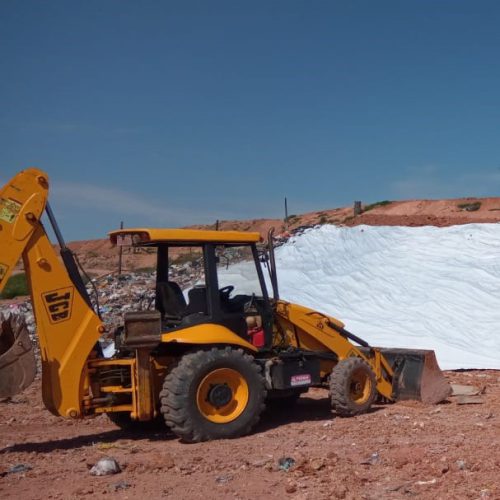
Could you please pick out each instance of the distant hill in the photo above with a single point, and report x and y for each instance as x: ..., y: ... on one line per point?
x: 100, y: 257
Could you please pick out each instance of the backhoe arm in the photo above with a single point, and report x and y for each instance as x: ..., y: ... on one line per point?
x: 66, y: 325
x: 22, y: 202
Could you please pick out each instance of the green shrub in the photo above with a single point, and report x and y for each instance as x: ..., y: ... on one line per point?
x: 376, y: 205
x: 470, y: 207
x: 16, y: 286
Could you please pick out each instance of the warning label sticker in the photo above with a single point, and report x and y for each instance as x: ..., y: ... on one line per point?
x: 3, y: 271
x: 303, y: 379
x: 9, y: 209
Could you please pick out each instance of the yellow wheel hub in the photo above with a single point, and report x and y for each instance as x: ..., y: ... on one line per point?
x: 222, y: 395
x: 361, y: 386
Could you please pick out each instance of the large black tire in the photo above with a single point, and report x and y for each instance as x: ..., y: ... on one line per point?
x: 352, y: 387
x: 216, y: 394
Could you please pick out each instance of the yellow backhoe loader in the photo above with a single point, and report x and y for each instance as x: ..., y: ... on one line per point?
x: 205, y: 360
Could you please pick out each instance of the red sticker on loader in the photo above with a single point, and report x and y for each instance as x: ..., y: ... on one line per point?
x: 303, y: 379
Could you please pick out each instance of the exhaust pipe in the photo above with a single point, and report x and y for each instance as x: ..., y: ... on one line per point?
x: 17, y: 358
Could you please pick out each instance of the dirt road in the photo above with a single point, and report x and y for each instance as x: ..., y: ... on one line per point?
x: 404, y: 450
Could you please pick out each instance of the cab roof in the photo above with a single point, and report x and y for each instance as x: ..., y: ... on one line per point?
x: 148, y: 236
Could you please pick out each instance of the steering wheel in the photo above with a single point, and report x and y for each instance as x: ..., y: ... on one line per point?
x: 226, y: 291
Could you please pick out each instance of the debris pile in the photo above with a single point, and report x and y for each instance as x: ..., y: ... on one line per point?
x: 118, y: 294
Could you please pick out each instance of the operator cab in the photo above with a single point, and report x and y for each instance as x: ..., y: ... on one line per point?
x: 205, y: 277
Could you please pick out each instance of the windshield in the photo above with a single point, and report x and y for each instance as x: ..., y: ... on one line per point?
x: 236, y: 267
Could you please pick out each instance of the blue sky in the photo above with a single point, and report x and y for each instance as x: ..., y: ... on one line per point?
x: 165, y: 113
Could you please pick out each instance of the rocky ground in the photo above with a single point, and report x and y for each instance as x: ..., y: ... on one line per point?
x: 404, y: 450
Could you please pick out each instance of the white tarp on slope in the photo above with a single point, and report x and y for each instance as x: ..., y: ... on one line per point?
x: 426, y: 287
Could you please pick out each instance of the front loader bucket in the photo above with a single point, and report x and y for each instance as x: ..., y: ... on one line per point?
x: 417, y: 375
x: 17, y: 359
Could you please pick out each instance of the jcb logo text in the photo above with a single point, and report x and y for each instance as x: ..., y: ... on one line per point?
x: 58, y: 304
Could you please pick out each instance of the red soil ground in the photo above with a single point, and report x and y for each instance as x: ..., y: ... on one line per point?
x: 403, y: 450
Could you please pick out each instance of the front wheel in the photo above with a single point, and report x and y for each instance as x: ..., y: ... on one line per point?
x: 216, y: 394
x: 352, y: 387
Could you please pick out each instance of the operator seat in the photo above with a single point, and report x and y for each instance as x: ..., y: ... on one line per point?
x: 170, y: 300
x: 197, y: 300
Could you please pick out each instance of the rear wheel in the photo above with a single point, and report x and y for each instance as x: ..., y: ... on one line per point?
x: 352, y: 387
x: 216, y: 394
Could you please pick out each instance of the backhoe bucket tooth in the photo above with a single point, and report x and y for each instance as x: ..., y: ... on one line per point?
x: 417, y: 375
x: 17, y: 359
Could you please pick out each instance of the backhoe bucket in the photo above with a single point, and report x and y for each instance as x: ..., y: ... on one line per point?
x: 417, y: 375
x: 17, y: 359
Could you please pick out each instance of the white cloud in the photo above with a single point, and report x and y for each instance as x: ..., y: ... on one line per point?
x: 112, y: 200
x: 67, y: 196
x: 431, y: 182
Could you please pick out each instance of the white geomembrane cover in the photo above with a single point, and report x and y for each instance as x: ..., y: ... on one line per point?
x: 424, y: 288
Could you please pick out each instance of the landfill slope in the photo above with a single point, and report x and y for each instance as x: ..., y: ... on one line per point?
x: 424, y: 287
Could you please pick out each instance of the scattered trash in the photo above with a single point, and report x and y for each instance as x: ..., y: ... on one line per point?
x: 466, y: 390
x: 105, y: 466
x: 109, y: 350
x: 120, y: 485
x: 423, y: 483
x: 461, y: 464
x: 14, y: 400
x: 105, y: 446
x: 223, y: 479
x: 470, y: 400
x: 374, y: 459
x: 286, y: 463
x: 15, y: 469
